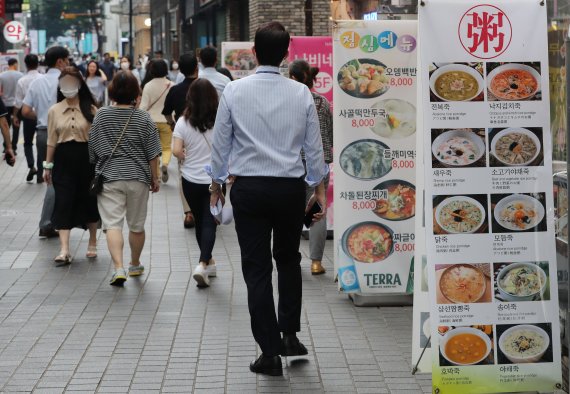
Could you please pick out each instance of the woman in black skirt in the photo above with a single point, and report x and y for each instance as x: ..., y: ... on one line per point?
x: 67, y: 164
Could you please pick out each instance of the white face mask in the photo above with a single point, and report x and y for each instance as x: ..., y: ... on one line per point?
x: 70, y: 92
x: 175, y: 66
x: 125, y: 65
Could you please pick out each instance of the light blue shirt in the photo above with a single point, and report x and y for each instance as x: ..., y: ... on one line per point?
x: 263, y: 121
x: 219, y: 80
x: 42, y: 94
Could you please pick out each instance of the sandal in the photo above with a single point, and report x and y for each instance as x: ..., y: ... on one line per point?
x: 91, y: 252
x: 62, y: 260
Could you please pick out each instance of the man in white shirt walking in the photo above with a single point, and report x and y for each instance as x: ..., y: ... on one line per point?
x: 22, y: 88
x: 8, y: 81
x: 41, y: 96
x: 209, y: 58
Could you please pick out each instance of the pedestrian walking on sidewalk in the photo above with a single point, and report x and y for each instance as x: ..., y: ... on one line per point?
x: 193, y: 146
x: 9, y: 154
x: 8, y: 83
x: 67, y: 162
x: 262, y: 124
x: 124, y: 145
x: 96, y: 81
x: 174, y: 106
x: 41, y: 96
x: 301, y: 71
x: 32, y: 63
x: 153, y: 96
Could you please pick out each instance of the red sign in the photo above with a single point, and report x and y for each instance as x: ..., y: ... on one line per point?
x: 2, y: 9
x: 485, y: 31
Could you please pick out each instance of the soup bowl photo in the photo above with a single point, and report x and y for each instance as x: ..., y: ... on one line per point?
x: 454, y: 68
x: 518, y: 337
x: 451, y: 206
x: 511, y: 153
x: 455, y: 346
x: 535, y: 284
x: 519, y: 212
x: 470, y: 148
x: 521, y: 72
x: 368, y: 242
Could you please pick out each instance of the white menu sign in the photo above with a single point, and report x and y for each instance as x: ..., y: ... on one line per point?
x: 489, y: 202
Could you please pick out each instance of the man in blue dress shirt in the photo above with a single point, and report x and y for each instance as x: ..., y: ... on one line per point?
x: 262, y: 124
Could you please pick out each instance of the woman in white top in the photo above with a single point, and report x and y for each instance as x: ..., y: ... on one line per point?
x: 96, y: 81
x: 127, y: 65
x: 152, y: 101
x: 193, y: 146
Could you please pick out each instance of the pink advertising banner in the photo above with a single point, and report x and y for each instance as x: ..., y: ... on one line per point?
x: 318, y: 52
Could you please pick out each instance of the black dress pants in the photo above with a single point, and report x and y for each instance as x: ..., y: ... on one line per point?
x: 263, y: 207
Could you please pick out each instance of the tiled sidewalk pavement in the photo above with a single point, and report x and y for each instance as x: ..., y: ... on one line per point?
x: 66, y: 329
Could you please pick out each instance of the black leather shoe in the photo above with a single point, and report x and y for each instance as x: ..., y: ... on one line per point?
x: 51, y: 233
x: 292, y: 346
x: 31, y: 173
x: 267, y: 365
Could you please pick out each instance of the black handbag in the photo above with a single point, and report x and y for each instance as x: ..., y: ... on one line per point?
x: 96, y: 185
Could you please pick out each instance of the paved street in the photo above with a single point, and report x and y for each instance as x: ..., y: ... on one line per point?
x: 67, y: 330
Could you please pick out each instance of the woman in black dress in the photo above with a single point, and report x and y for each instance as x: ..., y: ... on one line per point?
x: 68, y: 166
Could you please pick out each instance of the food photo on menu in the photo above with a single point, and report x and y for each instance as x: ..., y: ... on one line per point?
x: 526, y: 281
x: 425, y: 330
x: 456, y: 82
x: 365, y: 160
x: 454, y: 148
x: 466, y: 345
x: 394, y: 118
x: 364, y: 78
x: 524, y: 343
x: 463, y: 283
x: 516, y: 147
x: 516, y: 213
x: 460, y: 214
x: 368, y: 242
x: 513, y: 81
x: 400, y: 201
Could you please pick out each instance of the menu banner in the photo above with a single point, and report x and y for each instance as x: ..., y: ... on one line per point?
x: 374, y: 72
x: 489, y: 202
x: 238, y: 58
x: 317, y: 51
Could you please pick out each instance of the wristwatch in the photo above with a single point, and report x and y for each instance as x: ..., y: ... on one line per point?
x: 47, y: 166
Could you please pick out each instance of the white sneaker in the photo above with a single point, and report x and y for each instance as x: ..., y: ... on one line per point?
x: 201, y: 276
x: 212, y: 270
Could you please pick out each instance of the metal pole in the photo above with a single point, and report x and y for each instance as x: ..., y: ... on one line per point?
x: 131, y: 49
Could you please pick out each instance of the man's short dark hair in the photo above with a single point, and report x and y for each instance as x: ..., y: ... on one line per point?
x: 271, y: 44
x: 106, y: 54
x: 31, y: 61
x: 159, y: 68
x: 124, y: 88
x: 209, y: 56
x: 188, y: 64
x: 54, y: 54
x: 12, y: 61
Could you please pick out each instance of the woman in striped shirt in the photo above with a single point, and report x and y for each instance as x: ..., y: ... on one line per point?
x: 130, y: 173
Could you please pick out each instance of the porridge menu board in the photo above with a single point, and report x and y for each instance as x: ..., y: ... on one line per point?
x: 238, y: 57
x: 375, y: 94
x: 489, y: 205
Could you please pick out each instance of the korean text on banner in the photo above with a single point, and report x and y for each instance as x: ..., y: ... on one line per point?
x: 374, y: 77
x: 238, y: 58
x: 489, y: 202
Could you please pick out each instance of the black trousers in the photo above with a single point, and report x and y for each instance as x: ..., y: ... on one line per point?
x: 198, y: 198
x: 264, y: 206
x: 29, y: 132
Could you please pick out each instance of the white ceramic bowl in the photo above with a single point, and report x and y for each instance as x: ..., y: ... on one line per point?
x: 444, y: 137
x: 511, y: 297
x: 539, y: 208
x: 465, y: 330
x: 460, y: 198
x: 513, y: 66
x: 516, y: 359
x: 456, y: 67
x: 510, y: 130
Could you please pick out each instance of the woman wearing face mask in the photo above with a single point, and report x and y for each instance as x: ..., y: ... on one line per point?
x: 127, y: 65
x: 174, y: 71
x: 68, y: 166
x: 96, y: 82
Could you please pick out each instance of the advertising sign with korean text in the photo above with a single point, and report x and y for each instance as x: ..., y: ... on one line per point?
x: 238, y: 58
x: 374, y: 79
x: 317, y: 51
x: 14, y: 32
x: 491, y: 262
